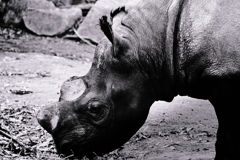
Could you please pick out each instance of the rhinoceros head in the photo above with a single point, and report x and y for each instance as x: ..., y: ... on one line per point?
x: 100, y: 111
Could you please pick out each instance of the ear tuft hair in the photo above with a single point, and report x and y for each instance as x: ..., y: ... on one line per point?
x: 116, y: 11
x: 106, y: 27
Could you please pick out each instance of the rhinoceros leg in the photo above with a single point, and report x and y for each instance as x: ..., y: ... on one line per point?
x: 227, y: 145
x: 226, y: 103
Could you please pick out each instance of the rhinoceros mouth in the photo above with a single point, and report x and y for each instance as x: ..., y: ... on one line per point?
x: 77, y: 142
x: 77, y: 149
x: 84, y: 146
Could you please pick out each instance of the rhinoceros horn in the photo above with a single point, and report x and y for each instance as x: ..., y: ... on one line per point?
x: 72, y: 89
x: 117, y: 41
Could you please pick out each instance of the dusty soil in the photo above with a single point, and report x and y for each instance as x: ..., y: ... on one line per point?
x: 32, y: 70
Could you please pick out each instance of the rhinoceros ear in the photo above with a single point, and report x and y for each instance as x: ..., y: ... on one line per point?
x: 106, y: 27
x: 114, y: 38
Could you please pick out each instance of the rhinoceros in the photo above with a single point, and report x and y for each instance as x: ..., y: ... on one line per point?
x: 152, y: 51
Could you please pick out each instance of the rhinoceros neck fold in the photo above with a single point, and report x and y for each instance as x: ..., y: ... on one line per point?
x: 155, y: 33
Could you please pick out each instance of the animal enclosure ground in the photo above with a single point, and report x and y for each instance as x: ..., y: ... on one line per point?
x: 32, y: 70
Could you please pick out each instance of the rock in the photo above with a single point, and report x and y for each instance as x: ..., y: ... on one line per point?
x: 51, y: 22
x: 41, y: 16
x: 66, y: 3
x: 89, y: 27
x: 39, y: 4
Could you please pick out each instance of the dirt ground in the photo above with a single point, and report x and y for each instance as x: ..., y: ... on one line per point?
x: 32, y: 70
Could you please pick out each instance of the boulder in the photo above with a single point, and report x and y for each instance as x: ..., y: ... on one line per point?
x: 41, y: 16
x: 89, y: 27
x: 51, y: 22
x: 66, y: 3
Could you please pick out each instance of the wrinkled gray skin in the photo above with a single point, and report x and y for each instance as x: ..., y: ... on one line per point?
x: 160, y: 49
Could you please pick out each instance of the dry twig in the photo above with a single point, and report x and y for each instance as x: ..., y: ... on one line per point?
x: 3, y: 133
x: 85, y: 39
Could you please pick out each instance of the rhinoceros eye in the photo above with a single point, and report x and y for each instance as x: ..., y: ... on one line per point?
x: 97, y: 111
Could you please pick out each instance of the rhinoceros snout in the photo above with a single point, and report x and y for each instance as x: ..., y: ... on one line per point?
x: 71, y: 89
x: 48, y: 117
